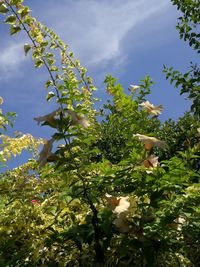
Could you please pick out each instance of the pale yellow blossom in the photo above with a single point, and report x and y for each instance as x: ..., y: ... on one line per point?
x: 121, y: 223
x: 181, y: 221
x: 151, y: 162
x: 124, y: 208
x: 133, y: 88
x: 78, y: 119
x: 150, y: 141
x: 151, y: 109
x: 123, y: 205
x: 119, y: 206
x: 45, y: 153
x: 49, y: 117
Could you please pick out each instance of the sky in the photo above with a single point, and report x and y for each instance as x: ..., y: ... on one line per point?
x: 128, y: 39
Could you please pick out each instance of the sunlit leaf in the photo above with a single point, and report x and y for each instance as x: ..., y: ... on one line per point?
x: 27, y: 48
x: 14, y: 29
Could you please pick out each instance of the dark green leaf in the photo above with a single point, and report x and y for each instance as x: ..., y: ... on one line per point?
x: 14, y: 29
x: 27, y: 47
x: 3, y: 8
x: 10, y: 19
x: 38, y: 63
x: 50, y: 95
x: 24, y: 11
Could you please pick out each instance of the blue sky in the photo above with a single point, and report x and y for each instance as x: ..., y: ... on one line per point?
x: 128, y: 39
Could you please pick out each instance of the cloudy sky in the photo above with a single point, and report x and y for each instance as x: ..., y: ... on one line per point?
x: 126, y: 38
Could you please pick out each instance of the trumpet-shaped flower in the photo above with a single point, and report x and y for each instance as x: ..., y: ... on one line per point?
x: 123, y: 205
x: 118, y: 204
x: 151, y: 162
x: 78, y: 119
x: 45, y: 153
x: 150, y: 141
x: 121, y: 223
x: 151, y: 109
x: 49, y: 117
x: 133, y: 88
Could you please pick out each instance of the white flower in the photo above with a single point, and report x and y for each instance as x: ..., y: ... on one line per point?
x: 151, y: 162
x: 45, y: 153
x: 49, y: 117
x: 121, y: 223
x: 78, y: 119
x: 118, y: 204
x: 123, y: 205
x: 151, y: 109
x: 150, y: 141
x: 134, y: 87
x: 180, y: 222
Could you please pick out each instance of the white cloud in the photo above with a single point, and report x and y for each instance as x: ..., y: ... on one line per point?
x: 11, y: 58
x: 94, y: 29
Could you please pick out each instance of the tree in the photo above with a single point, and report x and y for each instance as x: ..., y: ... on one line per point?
x: 188, y: 26
x: 96, y: 195
x: 189, y: 21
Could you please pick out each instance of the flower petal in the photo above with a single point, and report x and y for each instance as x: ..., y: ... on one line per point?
x: 150, y: 140
x: 78, y: 119
x: 49, y: 117
x: 45, y: 153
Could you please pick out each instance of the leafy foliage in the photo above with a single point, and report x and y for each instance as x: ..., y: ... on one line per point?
x: 188, y: 28
x: 189, y: 83
x: 189, y: 22
x: 120, y: 191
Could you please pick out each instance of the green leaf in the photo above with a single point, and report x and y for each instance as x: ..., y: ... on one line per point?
x: 51, y: 61
x: 50, y: 95
x: 48, y: 83
x: 3, y: 8
x: 53, y: 68
x: 58, y: 136
x: 10, y: 19
x: 14, y: 29
x: 24, y: 11
x: 44, y: 43
x: 15, y: 2
x: 53, y: 46
x: 27, y: 47
x: 71, y: 54
x: 38, y: 63
x: 11, y: 114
